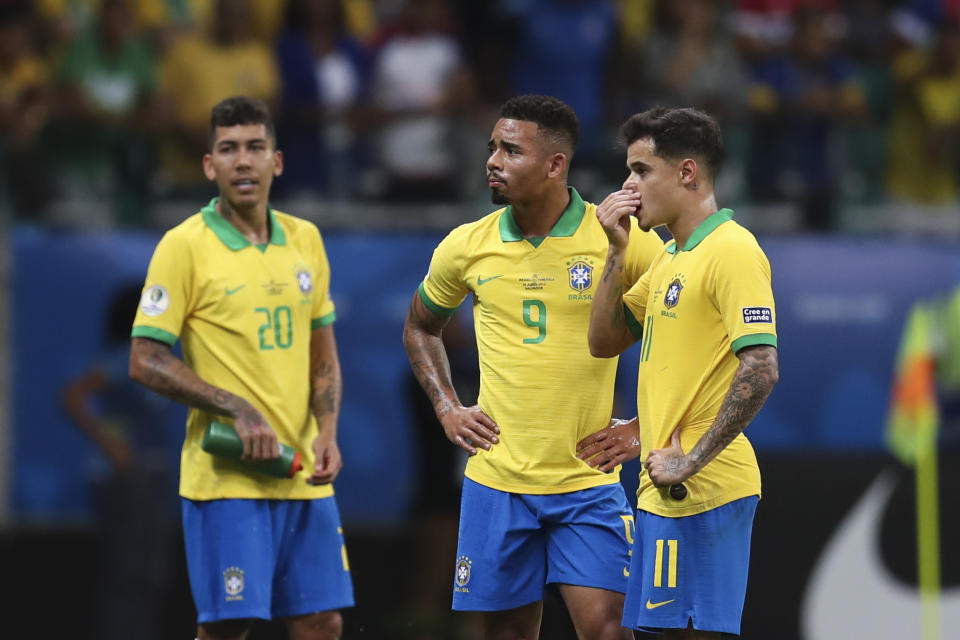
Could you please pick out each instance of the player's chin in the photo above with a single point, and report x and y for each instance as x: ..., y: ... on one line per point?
x: 497, y: 196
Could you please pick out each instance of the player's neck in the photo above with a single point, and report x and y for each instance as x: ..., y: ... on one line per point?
x: 253, y: 222
x: 691, y: 215
x: 537, y: 217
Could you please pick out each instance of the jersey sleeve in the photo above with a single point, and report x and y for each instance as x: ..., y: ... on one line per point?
x: 744, y: 296
x: 167, y: 293
x: 444, y: 287
x: 635, y: 304
x: 641, y: 252
x: 324, y: 312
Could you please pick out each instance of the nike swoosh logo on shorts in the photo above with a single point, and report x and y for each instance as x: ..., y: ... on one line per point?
x: 654, y: 605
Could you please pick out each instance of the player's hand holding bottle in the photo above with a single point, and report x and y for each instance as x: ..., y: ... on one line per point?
x: 259, y: 439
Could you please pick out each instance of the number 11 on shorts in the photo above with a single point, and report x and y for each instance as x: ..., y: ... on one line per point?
x: 671, y: 564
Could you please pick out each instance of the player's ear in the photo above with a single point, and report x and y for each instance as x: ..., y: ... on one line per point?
x: 688, y: 171
x: 558, y: 165
x: 277, y: 162
x: 208, y: 167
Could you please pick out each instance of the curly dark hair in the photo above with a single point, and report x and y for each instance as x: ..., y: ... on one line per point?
x: 678, y: 133
x: 238, y: 110
x: 553, y: 116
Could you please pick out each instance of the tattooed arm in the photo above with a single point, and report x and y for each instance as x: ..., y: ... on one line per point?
x: 326, y: 390
x: 755, y: 378
x: 153, y: 365
x: 608, y: 334
x: 463, y: 426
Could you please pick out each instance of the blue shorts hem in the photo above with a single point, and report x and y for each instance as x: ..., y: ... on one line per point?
x: 208, y: 616
x: 500, y: 604
x: 581, y: 581
x: 334, y: 605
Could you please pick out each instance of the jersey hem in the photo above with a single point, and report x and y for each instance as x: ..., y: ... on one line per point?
x: 322, y: 492
x: 753, y: 340
x: 658, y: 508
x: 636, y: 329
x: 433, y: 306
x: 323, y: 321
x: 154, y: 333
x: 540, y: 490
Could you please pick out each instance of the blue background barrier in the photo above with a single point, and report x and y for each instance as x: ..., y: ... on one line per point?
x: 841, y: 304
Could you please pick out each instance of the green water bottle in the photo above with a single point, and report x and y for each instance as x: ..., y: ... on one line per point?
x: 223, y: 440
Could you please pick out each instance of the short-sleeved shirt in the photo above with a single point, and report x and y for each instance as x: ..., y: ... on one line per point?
x: 531, y: 307
x: 244, y: 315
x: 698, y: 306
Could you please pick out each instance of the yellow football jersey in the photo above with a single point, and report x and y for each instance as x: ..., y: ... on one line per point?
x: 531, y: 309
x: 244, y: 315
x: 699, y: 305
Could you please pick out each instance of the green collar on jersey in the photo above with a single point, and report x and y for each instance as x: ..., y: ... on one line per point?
x: 230, y: 236
x: 565, y: 227
x: 706, y: 228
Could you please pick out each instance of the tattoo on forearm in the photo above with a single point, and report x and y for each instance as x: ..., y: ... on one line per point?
x: 754, y: 380
x: 326, y: 396
x: 428, y: 357
x: 612, y: 266
x: 166, y: 374
x: 618, y: 319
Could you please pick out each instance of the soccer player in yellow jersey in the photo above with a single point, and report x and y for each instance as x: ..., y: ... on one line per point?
x: 246, y: 291
x: 532, y: 513
x: 705, y: 315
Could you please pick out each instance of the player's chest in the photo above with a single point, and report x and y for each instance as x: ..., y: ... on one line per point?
x: 238, y: 283
x: 680, y: 293
x: 563, y: 280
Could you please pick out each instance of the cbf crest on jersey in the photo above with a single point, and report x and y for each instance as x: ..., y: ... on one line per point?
x: 463, y: 573
x: 233, y: 583
x: 672, y: 297
x: 304, y: 281
x: 580, y: 270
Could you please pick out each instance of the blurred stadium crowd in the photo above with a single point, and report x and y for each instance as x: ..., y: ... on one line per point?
x: 830, y: 107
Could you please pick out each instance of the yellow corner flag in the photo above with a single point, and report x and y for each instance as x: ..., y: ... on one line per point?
x: 912, y: 425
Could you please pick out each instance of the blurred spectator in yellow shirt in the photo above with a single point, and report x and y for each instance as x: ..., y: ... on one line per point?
x: 197, y: 72
x: 923, y: 162
x: 24, y: 111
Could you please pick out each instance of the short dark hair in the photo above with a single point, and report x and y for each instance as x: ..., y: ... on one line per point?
x: 554, y: 116
x: 239, y: 110
x: 677, y: 134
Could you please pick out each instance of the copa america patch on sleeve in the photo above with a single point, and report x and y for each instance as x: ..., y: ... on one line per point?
x: 757, y: 314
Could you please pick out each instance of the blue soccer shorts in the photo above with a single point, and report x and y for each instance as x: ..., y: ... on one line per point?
x: 265, y: 558
x: 690, y: 568
x: 511, y: 545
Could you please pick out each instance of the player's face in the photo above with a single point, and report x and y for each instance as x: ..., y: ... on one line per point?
x: 243, y: 163
x: 657, y: 182
x: 517, y: 165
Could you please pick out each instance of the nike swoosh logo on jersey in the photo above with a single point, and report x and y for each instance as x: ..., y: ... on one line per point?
x: 481, y: 281
x: 654, y: 605
x: 230, y: 291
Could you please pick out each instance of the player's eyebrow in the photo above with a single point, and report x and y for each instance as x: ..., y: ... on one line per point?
x: 638, y: 166
x: 247, y: 141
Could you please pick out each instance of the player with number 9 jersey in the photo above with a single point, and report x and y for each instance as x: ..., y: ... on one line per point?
x: 531, y: 309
